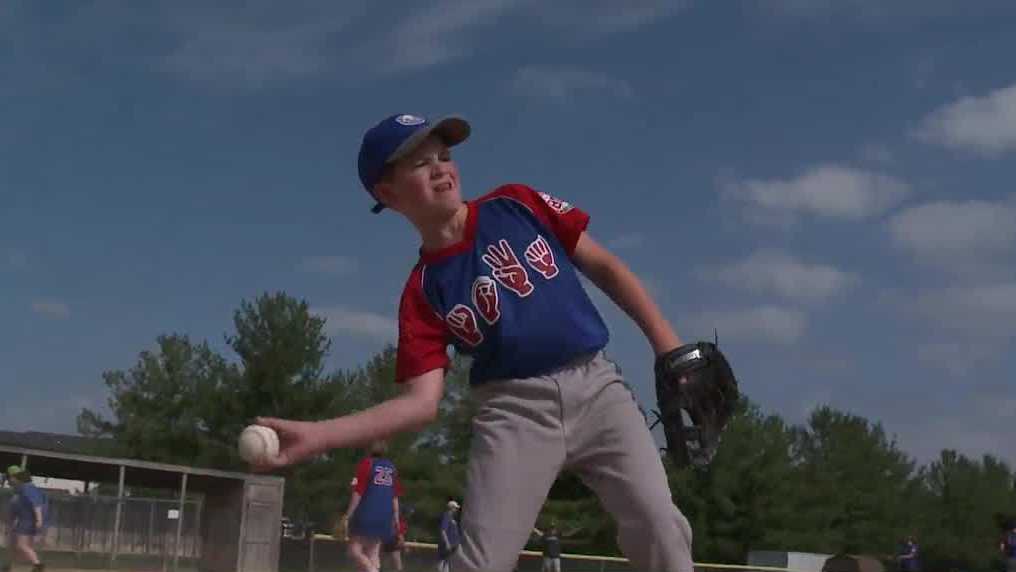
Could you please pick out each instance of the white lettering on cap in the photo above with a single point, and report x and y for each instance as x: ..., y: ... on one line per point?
x: 409, y: 120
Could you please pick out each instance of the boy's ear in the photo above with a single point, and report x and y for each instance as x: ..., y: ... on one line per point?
x: 384, y: 192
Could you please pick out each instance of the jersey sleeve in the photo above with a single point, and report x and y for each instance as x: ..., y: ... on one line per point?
x: 362, y: 478
x: 423, y: 336
x: 564, y: 219
x: 398, y: 485
x: 34, y: 497
x: 445, y: 521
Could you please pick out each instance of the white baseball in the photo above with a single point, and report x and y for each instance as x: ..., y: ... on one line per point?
x: 258, y: 443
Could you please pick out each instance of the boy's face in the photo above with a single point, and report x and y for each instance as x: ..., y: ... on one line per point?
x: 423, y: 184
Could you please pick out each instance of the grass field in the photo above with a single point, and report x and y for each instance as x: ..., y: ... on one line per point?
x: 92, y: 562
x: 330, y: 556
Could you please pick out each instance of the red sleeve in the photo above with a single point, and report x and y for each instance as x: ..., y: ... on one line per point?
x: 423, y: 336
x: 562, y: 218
x: 362, y: 476
x: 398, y: 486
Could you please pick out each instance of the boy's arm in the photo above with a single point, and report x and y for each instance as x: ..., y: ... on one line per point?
x: 395, y: 513
x: 617, y: 281
x: 412, y: 410
x: 354, y: 502
x: 444, y: 530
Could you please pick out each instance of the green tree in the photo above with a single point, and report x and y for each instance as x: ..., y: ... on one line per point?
x: 852, y: 485
x: 282, y: 348
x: 743, y: 499
x: 158, y: 406
x: 961, y: 511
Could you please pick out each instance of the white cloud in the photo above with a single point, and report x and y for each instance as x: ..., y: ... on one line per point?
x: 337, y: 265
x: 776, y: 272
x: 973, y: 424
x: 985, y: 125
x: 248, y: 56
x: 441, y: 33
x: 828, y: 190
x: 343, y: 320
x: 954, y: 233
x: 765, y: 324
x: 958, y: 359
x: 264, y: 42
x: 261, y: 44
x: 435, y: 36
x: 604, y: 17
x: 563, y: 83
x: 983, y: 311
x: 51, y: 309
x: 871, y: 12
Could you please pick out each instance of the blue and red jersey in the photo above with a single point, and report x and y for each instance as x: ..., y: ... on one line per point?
x: 507, y: 294
x: 377, y: 483
x: 26, y: 499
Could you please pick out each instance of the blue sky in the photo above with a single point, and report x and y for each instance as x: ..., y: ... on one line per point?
x: 827, y: 183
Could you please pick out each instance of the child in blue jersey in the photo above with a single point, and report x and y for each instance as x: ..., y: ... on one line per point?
x: 373, y: 513
x: 1008, y: 547
x: 908, y: 557
x: 498, y: 278
x: 448, y: 536
x: 27, y: 512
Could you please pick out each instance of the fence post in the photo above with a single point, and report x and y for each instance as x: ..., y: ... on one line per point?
x: 197, y: 536
x: 116, y: 519
x: 179, y: 522
x: 151, y: 527
x: 310, y: 560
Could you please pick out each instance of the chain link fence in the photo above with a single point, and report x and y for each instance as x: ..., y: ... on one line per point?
x: 81, y: 530
x: 322, y: 553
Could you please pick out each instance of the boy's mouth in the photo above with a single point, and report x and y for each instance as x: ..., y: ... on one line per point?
x: 442, y: 187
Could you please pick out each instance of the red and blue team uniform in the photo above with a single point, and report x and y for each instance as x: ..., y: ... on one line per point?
x: 1010, y: 545
x: 26, y: 499
x: 377, y: 483
x: 507, y: 294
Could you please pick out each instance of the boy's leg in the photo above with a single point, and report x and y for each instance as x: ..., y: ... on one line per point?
x: 358, y: 552
x: 516, y: 453
x: 610, y: 446
x: 24, y: 542
x: 375, y: 554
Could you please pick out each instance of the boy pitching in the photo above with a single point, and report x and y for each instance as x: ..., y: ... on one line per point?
x: 498, y: 278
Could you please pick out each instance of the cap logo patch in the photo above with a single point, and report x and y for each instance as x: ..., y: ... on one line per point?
x: 408, y: 120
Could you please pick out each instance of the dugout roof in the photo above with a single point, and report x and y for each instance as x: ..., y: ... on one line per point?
x: 95, y: 469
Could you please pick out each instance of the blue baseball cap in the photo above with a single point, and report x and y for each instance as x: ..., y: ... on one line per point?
x: 397, y: 135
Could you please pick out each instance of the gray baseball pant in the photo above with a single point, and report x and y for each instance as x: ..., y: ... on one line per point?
x: 581, y: 418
